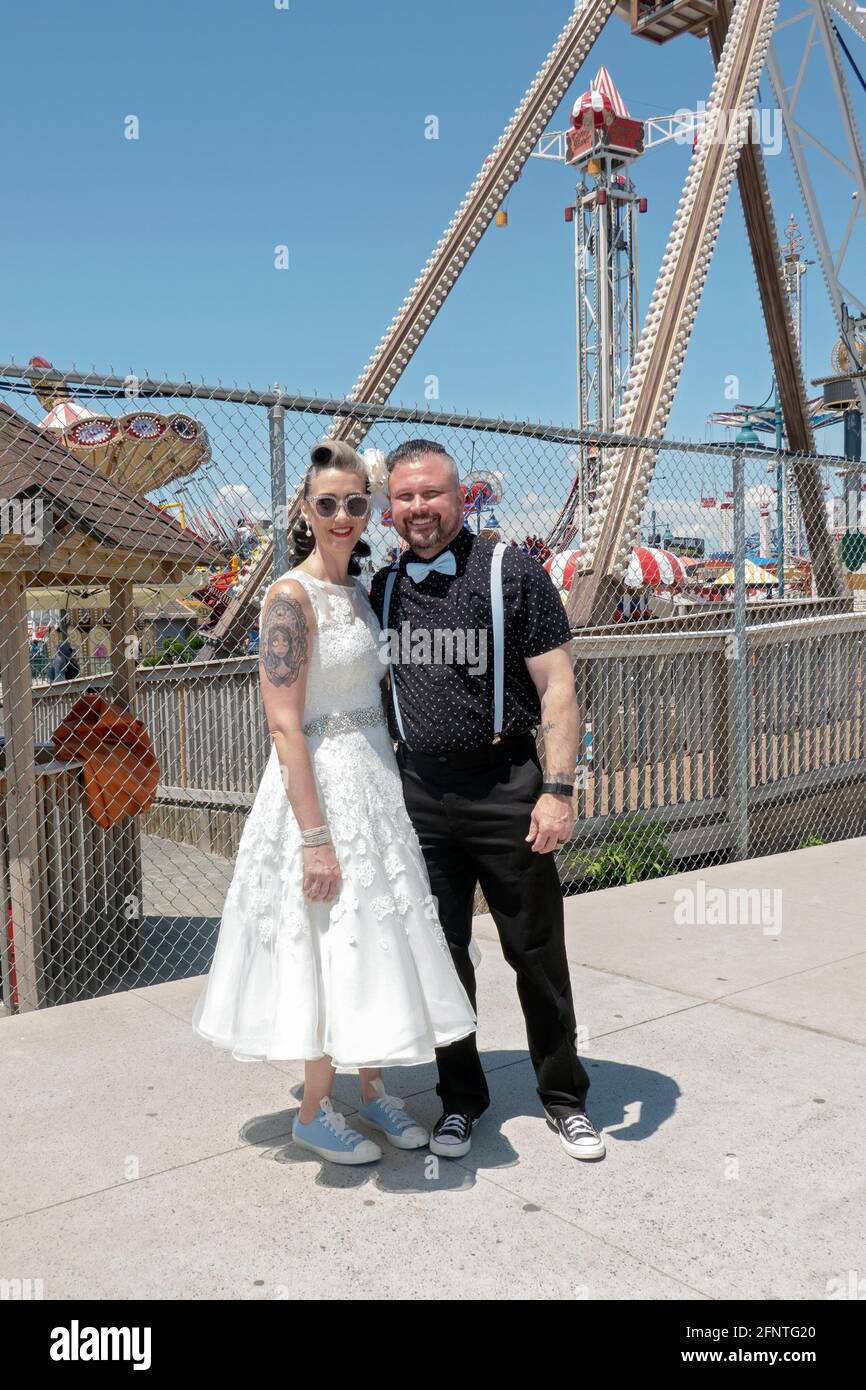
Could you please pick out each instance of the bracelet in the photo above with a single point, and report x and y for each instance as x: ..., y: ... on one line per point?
x: 558, y: 788
x: 317, y: 835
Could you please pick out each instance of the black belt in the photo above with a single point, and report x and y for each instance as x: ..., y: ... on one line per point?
x: 486, y: 755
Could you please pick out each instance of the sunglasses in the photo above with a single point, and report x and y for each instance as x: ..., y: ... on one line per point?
x: 326, y: 505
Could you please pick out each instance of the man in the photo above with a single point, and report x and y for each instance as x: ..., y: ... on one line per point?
x: 482, y: 808
x: 65, y: 666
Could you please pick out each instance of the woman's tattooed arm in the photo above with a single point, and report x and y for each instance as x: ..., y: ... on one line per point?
x: 288, y: 636
x: 283, y: 643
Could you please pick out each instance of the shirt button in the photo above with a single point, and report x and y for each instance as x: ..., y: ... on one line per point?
x: 442, y: 758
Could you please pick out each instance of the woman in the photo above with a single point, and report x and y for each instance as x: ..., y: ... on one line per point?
x: 330, y: 948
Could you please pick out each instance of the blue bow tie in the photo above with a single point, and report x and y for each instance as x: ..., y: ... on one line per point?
x: 445, y: 563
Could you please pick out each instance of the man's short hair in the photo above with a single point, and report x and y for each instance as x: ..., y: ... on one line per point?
x: 413, y: 449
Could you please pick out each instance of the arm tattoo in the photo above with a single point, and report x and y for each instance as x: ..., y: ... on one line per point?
x: 283, y: 641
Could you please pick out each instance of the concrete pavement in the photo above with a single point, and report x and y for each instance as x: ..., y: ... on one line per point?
x: 727, y: 1066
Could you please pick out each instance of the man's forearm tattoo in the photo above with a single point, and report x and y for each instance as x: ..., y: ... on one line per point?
x: 283, y: 643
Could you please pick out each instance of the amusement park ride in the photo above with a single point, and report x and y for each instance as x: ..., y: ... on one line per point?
x: 142, y: 450
x: 602, y: 143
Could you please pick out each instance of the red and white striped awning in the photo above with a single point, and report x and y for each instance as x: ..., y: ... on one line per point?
x: 654, y: 569
x: 647, y: 568
x: 561, y: 567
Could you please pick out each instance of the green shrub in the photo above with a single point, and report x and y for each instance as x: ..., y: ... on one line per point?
x: 810, y: 841
x: 174, y: 652
x: 636, y: 850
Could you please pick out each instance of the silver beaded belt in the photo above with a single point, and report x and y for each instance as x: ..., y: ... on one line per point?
x: 344, y: 721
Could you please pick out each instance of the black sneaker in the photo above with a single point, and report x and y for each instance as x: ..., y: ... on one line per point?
x: 451, y: 1137
x: 577, y: 1135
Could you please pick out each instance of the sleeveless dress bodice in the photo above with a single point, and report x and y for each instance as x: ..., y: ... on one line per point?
x: 344, y: 670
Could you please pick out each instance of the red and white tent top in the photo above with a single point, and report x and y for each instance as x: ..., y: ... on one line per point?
x: 604, y: 83
x: 647, y: 568
x: 606, y: 89
x: 65, y: 413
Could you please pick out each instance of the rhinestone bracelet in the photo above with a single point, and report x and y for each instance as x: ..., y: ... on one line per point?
x: 317, y: 835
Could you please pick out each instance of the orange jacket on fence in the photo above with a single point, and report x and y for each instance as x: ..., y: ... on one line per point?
x: 120, y: 770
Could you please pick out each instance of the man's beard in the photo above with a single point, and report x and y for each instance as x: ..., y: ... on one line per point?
x: 431, y: 537
x: 435, y: 538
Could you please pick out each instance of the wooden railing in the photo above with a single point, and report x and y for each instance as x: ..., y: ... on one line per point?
x: 657, y: 701
x: 661, y: 710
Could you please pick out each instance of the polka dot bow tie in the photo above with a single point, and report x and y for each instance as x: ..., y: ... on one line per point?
x: 445, y: 563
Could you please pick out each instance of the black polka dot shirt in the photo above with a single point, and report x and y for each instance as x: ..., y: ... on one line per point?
x: 448, y: 704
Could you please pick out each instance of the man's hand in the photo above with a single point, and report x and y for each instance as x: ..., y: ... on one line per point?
x: 551, y: 822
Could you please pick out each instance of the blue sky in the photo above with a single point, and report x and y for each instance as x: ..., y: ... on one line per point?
x: 261, y: 126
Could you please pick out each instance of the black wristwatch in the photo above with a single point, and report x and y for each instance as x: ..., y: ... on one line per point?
x: 558, y: 788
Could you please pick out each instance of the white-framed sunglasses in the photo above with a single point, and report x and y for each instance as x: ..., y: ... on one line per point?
x: 326, y: 505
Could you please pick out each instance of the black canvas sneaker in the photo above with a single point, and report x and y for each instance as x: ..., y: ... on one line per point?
x: 577, y: 1135
x: 451, y: 1137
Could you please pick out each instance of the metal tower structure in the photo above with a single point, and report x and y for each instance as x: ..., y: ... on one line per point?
x: 794, y: 268
x: 605, y: 254
x: 602, y: 144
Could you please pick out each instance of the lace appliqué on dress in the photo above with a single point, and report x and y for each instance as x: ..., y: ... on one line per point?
x: 430, y: 909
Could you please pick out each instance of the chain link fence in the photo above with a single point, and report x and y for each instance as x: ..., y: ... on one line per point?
x: 140, y: 521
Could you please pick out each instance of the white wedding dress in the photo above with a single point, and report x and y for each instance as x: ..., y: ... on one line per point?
x: 368, y: 978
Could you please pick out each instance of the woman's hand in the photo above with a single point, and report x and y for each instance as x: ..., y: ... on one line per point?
x: 321, y: 873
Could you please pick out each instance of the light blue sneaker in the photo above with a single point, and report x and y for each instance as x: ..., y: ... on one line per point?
x: 330, y: 1137
x: 388, y: 1114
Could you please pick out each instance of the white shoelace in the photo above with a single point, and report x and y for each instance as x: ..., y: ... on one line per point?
x: 455, y: 1125
x: 579, y: 1127
x: 392, y: 1105
x: 336, y: 1123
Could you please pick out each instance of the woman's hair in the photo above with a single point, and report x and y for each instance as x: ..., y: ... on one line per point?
x: 329, y: 453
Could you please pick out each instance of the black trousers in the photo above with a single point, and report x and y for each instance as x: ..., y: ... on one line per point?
x: 471, y: 824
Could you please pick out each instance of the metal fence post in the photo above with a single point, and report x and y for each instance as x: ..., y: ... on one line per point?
x: 738, y: 791
x: 279, y: 508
